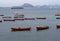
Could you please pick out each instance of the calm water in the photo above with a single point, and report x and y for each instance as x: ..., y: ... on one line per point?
x: 52, y: 34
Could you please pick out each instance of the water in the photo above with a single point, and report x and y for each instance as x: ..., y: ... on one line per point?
x: 52, y: 34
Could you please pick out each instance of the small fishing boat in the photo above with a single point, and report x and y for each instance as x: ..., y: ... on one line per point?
x: 0, y: 20
x: 41, y: 18
x: 42, y: 27
x: 29, y: 18
x: 1, y: 14
x: 58, y: 18
x: 57, y: 14
x: 17, y: 8
x: 18, y: 18
x: 18, y: 15
x: 7, y: 17
x: 9, y: 20
x: 21, y: 29
x: 57, y: 26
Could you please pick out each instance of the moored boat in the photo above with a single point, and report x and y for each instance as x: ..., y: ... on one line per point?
x: 0, y: 20
x: 29, y: 18
x: 18, y: 15
x: 1, y: 14
x: 9, y: 20
x: 58, y: 18
x: 7, y: 17
x: 21, y: 29
x: 42, y: 28
x: 57, y: 14
x: 41, y: 18
x: 57, y: 26
x: 18, y: 18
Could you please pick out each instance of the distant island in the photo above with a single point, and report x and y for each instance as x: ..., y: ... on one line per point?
x: 27, y: 5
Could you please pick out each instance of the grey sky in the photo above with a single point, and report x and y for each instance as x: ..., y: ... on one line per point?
x: 34, y: 2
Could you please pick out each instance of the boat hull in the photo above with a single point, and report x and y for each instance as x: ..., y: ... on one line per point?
x: 57, y: 26
x: 42, y: 28
x: 20, y: 29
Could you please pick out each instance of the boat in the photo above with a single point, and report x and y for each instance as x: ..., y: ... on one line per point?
x: 8, y: 20
x: 17, y: 8
x: 57, y: 26
x: 6, y: 17
x: 21, y: 29
x: 42, y: 28
x: 1, y: 14
x: 41, y: 18
x: 18, y: 18
x: 0, y: 20
x: 29, y: 18
x: 18, y: 15
x: 57, y: 14
x: 57, y: 18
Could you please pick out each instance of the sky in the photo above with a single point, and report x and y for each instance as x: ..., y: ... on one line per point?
x: 9, y: 3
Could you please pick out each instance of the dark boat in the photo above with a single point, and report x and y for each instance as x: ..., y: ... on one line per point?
x: 18, y: 18
x: 21, y: 29
x: 58, y: 18
x: 42, y: 28
x: 1, y: 15
x: 7, y: 17
x: 57, y: 26
x: 9, y: 20
x: 29, y: 18
x: 41, y: 18
x: 17, y: 8
x: 0, y: 20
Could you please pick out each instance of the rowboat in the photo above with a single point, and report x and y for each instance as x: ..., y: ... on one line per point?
x: 21, y: 29
x: 57, y: 26
x: 42, y: 28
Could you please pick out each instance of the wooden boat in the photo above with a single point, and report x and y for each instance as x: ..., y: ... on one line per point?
x: 57, y: 18
x: 18, y: 18
x: 0, y: 20
x: 29, y: 18
x: 21, y: 29
x: 7, y: 17
x: 57, y: 14
x: 42, y: 27
x: 18, y: 15
x: 41, y: 18
x: 9, y: 20
x: 57, y: 26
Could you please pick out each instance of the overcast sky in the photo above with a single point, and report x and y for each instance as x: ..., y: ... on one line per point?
x: 7, y: 3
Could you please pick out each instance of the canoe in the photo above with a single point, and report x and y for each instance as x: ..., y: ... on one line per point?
x: 57, y: 26
x: 42, y: 28
x: 21, y: 29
